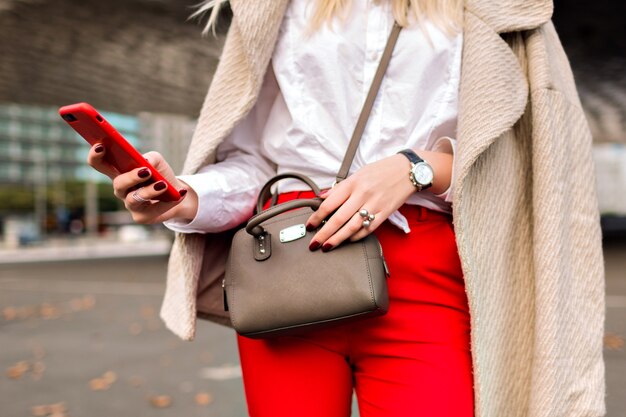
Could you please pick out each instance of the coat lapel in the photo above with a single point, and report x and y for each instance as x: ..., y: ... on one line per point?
x: 494, y: 90
x: 258, y: 23
x: 511, y: 15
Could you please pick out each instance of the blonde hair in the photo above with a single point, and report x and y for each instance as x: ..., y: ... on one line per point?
x: 447, y: 14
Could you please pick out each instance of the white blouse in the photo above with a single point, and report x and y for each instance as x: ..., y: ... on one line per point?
x: 309, y: 103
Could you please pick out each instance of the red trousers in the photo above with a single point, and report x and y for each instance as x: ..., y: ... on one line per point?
x: 413, y: 361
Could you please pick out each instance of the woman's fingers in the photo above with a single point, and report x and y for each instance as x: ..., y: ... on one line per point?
x: 364, y: 229
x: 333, y: 199
x: 149, y: 212
x: 353, y: 230
x: 135, y: 199
x: 160, y: 164
x: 380, y: 187
x: 95, y: 159
x: 336, y: 222
x: 141, y: 199
x: 343, y: 221
x: 123, y: 183
x: 144, y: 206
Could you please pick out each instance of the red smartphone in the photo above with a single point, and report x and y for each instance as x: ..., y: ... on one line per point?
x: 85, y: 120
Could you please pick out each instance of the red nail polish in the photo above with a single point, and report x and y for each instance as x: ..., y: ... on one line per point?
x: 182, y: 192
x: 159, y: 186
x: 309, y: 227
x: 143, y: 173
x: 327, y: 247
x: 315, y: 245
x: 99, y: 149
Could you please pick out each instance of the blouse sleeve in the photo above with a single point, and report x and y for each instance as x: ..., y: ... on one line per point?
x: 446, y: 145
x: 227, y: 190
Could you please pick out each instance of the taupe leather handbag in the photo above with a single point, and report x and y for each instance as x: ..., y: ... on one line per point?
x: 275, y: 285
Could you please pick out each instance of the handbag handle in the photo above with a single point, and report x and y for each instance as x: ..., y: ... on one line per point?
x: 369, y: 103
x: 266, y: 191
x: 254, y: 224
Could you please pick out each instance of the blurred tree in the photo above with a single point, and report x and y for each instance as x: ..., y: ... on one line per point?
x: 15, y: 199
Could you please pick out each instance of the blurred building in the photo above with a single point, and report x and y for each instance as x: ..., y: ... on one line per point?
x: 37, y: 146
x: 126, y: 56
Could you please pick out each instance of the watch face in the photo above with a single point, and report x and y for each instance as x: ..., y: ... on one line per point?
x: 423, y: 173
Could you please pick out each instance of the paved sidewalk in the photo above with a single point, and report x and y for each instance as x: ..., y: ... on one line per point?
x: 86, y: 248
x: 83, y: 339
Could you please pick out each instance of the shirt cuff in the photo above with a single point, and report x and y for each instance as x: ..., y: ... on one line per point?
x: 219, y: 209
x: 446, y: 145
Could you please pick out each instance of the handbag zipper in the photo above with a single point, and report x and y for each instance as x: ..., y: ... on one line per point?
x: 385, y: 267
x: 224, y: 292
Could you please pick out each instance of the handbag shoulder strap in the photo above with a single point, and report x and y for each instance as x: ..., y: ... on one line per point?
x: 369, y: 103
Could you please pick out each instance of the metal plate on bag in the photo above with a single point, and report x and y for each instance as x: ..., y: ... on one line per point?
x: 292, y: 233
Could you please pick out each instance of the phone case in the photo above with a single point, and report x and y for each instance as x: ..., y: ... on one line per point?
x: 88, y: 123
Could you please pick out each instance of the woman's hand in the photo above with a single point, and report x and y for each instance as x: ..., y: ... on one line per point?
x: 381, y: 188
x: 151, y: 211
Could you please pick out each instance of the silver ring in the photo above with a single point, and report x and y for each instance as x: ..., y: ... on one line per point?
x: 135, y: 195
x: 368, y: 217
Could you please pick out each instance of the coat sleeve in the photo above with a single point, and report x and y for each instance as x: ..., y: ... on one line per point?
x: 567, y: 258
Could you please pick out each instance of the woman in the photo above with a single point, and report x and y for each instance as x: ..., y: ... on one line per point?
x: 525, y: 219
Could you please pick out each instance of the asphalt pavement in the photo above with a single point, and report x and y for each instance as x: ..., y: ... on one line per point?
x: 82, y: 338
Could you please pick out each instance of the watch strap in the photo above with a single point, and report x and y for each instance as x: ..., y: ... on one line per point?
x: 411, y: 155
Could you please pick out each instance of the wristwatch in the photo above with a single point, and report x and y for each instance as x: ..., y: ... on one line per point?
x: 421, y: 174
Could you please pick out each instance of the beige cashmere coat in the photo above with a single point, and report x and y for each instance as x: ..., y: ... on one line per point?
x: 525, y: 213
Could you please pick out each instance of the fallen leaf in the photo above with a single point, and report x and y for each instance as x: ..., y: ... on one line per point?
x: 148, y: 312
x: 613, y: 341
x: 9, y: 313
x: 98, y: 384
x: 27, y: 312
x: 49, y: 311
x: 161, y: 401
x: 16, y: 371
x: 58, y: 407
x: 76, y: 304
x: 49, y: 410
x: 203, y: 398
x: 109, y: 377
x: 39, y: 410
x: 89, y: 302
